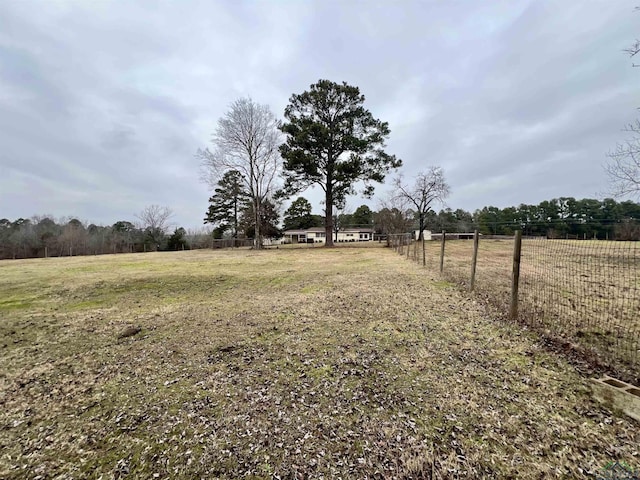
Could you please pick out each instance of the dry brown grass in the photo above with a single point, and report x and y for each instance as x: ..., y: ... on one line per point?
x: 583, y: 292
x: 294, y: 363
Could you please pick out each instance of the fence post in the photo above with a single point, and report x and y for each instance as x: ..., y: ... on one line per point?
x: 415, y: 250
x: 408, y: 245
x: 474, y: 260
x: 424, y: 253
x: 515, y: 276
x: 442, y: 251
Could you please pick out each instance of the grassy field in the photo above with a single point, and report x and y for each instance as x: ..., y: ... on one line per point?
x: 288, y: 363
x: 584, y: 292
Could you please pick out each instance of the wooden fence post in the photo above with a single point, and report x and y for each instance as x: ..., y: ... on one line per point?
x: 515, y: 276
x: 444, y: 235
x: 474, y: 260
x: 408, y: 245
x: 424, y: 253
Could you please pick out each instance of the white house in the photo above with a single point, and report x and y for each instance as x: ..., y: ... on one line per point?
x: 355, y: 235
x: 318, y: 235
x: 425, y: 233
x: 307, y: 235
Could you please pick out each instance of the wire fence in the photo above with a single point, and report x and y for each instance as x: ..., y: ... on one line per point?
x: 583, y: 293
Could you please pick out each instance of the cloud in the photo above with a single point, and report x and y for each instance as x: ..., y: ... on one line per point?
x: 103, y: 104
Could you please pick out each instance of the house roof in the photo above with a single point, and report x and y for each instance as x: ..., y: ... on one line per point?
x: 321, y: 230
x: 357, y: 230
x: 305, y: 230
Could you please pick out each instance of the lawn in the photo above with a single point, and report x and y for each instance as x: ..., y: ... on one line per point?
x: 288, y: 363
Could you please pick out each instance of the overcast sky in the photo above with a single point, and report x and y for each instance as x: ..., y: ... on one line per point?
x: 103, y: 104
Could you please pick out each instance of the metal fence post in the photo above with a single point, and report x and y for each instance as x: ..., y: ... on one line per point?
x: 424, y: 253
x: 515, y: 276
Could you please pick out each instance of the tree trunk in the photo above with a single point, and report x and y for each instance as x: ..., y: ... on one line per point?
x: 235, y: 220
x: 420, y: 234
x: 257, y: 240
x: 328, y: 218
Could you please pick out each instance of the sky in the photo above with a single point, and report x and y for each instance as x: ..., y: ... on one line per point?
x: 103, y: 104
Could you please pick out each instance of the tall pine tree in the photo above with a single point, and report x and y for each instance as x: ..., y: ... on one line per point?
x: 333, y: 142
x: 228, y: 203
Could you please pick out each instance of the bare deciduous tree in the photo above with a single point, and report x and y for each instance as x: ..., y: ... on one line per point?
x: 429, y: 187
x: 393, y: 216
x: 623, y: 166
x: 246, y: 140
x: 634, y: 49
x: 341, y: 214
x: 154, y: 221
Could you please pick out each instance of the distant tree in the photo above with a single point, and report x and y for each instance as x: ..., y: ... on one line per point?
x: 218, y: 232
x: 488, y: 220
x: 5, y: 234
x: 334, y: 142
x: 246, y: 140
x: 47, y: 232
x: 362, y: 217
x: 392, y: 217
x: 177, y: 240
x: 269, y: 220
x: 299, y: 216
x: 389, y: 221
x: 429, y: 187
x: 199, y: 237
x: 341, y: 218
x: 155, y: 221
x: 74, y: 236
x: 228, y: 202
x: 123, y: 236
x: 623, y: 166
x: 633, y: 50
x: 464, y: 221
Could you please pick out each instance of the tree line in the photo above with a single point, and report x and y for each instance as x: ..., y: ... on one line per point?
x: 330, y: 140
x: 565, y: 217
x: 43, y: 236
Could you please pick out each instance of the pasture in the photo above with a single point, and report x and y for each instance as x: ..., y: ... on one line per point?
x: 288, y: 363
x: 583, y: 292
